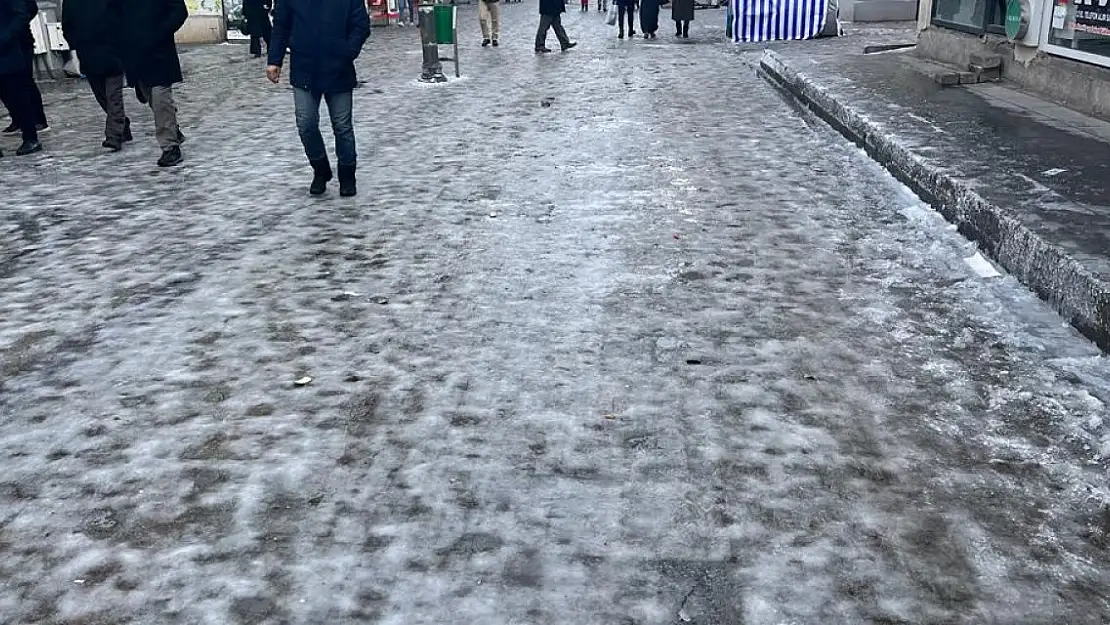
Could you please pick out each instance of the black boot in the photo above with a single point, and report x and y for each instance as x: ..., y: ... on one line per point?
x: 30, y: 146
x: 127, y: 136
x: 322, y: 169
x: 347, y: 185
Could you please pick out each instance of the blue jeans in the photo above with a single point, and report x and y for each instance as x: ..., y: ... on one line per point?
x: 402, y: 10
x: 340, y: 105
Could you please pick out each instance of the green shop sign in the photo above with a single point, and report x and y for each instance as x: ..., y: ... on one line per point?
x: 1017, y: 19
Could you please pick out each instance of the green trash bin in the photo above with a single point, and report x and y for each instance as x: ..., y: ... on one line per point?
x: 445, y: 24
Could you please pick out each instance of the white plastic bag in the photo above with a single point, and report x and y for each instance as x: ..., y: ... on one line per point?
x: 611, y: 16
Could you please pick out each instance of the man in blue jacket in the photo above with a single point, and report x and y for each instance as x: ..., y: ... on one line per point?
x: 324, y: 37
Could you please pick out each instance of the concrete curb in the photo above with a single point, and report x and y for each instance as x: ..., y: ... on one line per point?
x: 1081, y: 296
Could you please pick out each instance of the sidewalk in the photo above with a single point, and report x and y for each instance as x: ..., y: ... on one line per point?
x: 1028, y: 180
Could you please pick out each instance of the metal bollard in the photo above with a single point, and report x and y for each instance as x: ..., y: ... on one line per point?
x: 432, y: 70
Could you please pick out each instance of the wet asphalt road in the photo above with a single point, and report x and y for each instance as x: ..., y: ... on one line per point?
x: 664, y: 351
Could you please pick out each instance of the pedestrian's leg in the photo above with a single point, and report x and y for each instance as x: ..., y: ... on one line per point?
x: 35, y: 97
x: 631, y: 28
x: 116, y: 125
x: 557, y: 25
x: 541, y: 33
x: 678, y: 28
x: 340, y: 109
x: 21, y: 106
x: 165, y: 116
x: 495, y: 20
x: 620, y: 21
x: 685, y: 28
x: 307, y: 106
x: 99, y: 87
x: 483, y: 20
x: 256, y: 44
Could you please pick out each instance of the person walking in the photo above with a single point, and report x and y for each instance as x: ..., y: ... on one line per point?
x: 402, y: 11
x: 90, y: 28
x: 625, y: 9
x: 16, y: 59
x: 551, y: 17
x: 682, y: 12
x: 41, y: 124
x: 489, y: 15
x: 649, y: 17
x: 324, y: 39
x: 259, y: 28
x: 151, y: 64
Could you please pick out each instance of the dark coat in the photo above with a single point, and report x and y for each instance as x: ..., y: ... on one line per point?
x: 257, y: 15
x: 552, y: 7
x: 682, y: 10
x: 323, y: 38
x: 149, y: 52
x: 15, y: 56
x: 649, y: 15
x: 92, y: 29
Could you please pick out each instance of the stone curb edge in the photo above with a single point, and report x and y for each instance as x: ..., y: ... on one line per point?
x: 1081, y: 296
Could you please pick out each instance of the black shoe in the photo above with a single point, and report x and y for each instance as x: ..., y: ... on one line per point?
x: 12, y: 129
x: 113, y: 144
x: 685, y: 35
x: 543, y: 50
x: 28, y: 147
x: 127, y: 136
x: 180, y: 136
x: 619, y: 36
x: 485, y: 42
x: 321, y: 175
x: 171, y: 157
x: 631, y: 34
x: 569, y: 45
x: 347, y: 184
x: 495, y: 43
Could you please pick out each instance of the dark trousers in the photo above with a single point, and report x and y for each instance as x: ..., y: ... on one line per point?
x: 32, y: 87
x: 548, y: 22
x: 260, y: 34
x: 23, y: 103
x: 682, y: 28
x: 622, y: 12
x: 109, y: 95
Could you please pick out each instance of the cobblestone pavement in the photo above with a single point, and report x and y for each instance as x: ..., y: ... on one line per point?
x: 662, y: 351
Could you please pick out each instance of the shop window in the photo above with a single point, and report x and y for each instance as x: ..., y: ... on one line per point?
x: 973, y: 16
x: 1082, y: 26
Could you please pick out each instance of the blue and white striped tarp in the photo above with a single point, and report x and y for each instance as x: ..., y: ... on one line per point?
x: 755, y: 21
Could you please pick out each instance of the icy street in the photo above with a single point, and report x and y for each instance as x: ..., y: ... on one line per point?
x: 661, y: 351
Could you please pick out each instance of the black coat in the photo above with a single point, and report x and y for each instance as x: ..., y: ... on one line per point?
x: 257, y: 15
x: 552, y: 7
x: 92, y: 28
x: 149, y: 52
x: 323, y: 38
x: 15, y: 56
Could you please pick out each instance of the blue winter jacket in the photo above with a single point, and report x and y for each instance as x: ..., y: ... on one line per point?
x: 324, y: 37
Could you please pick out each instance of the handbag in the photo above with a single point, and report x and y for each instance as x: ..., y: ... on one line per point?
x: 611, y: 16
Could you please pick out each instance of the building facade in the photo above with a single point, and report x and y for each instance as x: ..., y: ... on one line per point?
x: 207, y: 22
x: 1059, y: 48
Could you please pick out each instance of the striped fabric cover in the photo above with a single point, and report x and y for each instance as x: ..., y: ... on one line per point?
x: 755, y: 21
